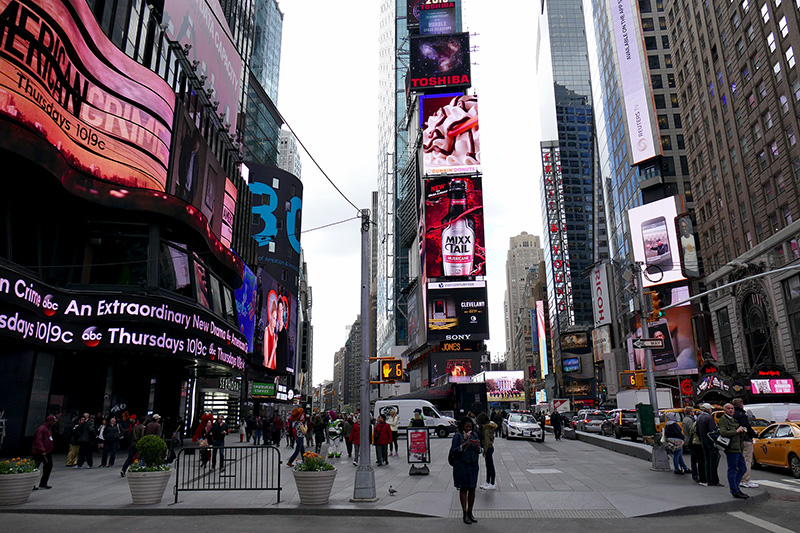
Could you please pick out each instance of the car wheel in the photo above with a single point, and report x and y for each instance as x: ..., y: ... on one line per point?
x: 618, y: 434
x: 441, y: 432
x: 794, y: 464
x: 634, y: 438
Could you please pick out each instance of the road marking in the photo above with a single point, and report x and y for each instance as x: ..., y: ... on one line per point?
x: 763, y: 524
x: 776, y: 484
x: 791, y: 480
x: 543, y: 471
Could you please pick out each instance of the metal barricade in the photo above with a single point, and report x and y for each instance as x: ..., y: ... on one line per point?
x: 228, y: 468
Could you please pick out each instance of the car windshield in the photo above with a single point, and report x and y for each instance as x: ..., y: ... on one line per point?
x: 525, y: 419
x: 760, y: 422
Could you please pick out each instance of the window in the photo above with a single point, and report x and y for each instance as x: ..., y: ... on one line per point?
x: 771, y: 41
x: 784, y: 103
x: 783, y: 27
x: 740, y: 47
x: 662, y: 23
x: 660, y: 101
x: 796, y: 89
x: 773, y: 148
x: 743, y: 210
x: 666, y: 142
x: 657, y: 81
x: 790, y: 57
x: 665, y: 42
x: 762, y: 90
x: 757, y: 131
x: 647, y: 25
x: 790, y: 135
x: 676, y: 119
x: 780, y: 183
x: 765, y: 12
x: 751, y: 34
x: 671, y: 80
x: 767, y: 118
x: 653, y: 62
x: 762, y: 160
x: 726, y: 336
x: 673, y: 98
x: 745, y: 6
x: 776, y: 69
x: 735, y: 20
x: 663, y: 121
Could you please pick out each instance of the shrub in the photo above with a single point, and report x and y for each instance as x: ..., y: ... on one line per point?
x: 152, y: 452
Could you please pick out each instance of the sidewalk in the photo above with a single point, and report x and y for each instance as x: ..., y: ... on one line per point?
x: 566, y: 479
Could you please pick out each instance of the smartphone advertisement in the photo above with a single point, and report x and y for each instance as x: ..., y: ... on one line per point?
x: 655, y: 242
x: 679, y: 355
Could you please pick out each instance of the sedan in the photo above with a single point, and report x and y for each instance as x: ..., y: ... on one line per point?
x: 591, y: 422
x: 779, y: 445
x: 621, y: 423
x: 522, y: 426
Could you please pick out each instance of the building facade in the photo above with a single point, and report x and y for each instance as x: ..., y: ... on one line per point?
x: 522, y: 262
x: 288, y: 155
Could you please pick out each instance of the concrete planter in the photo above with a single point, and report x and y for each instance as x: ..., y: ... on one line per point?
x: 147, y: 487
x: 15, y: 489
x: 314, y: 488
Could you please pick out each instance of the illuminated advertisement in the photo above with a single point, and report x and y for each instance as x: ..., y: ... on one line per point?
x: 679, y: 355
x: 540, y: 326
x: 439, y: 18
x: 276, y: 222
x: 454, y: 237
x: 571, y: 365
x: 534, y: 332
x: 601, y: 342
x: 690, y: 264
x: 557, y: 234
x: 439, y: 62
x: 418, y: 10
x: 263, y: 390
x: 40, y: 314
x: 505, y: 386
x: 451, y: 137
x: 63, y: 81
x: 654, y: 241
x: 635, y: 90
x: 197, y: 177
x: 246, y: 306
x: 601, y: 298
x: 277, y: 326
x: 772, y: 386
x: 202, y: 25
x: 457, y: 313
x: 458, y: 366
x: 576, y: 342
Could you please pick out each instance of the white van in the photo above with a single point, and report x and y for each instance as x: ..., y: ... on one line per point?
x: 444, y: 425
x: 774, y: 412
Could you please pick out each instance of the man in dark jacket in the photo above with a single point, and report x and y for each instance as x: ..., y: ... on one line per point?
x: 218, y: 431
x: 730, y: 428
x: 112, y: 435
x: 87, y: 434
x: 747, y: 441
x: 555, y: 422
x: 42, y: 451
x: 154, y: 426
x: 137, y: 432
x: 705, y: 425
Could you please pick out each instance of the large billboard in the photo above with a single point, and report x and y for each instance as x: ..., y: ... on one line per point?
x: 459, y: 367
x: 542, y: 329
x: 439, y: 62
x: 556, y: 216
x: 632, y: 75
x: 654, y: 242
x: 454, y: 231
x: 202, y: 25
x: 601, y: 297
x: 505, y: 386
x: 690, y: 262
x: 62, y: 80
x: 432, y: 16
x: 679, y: 355
x: 457, y: 313
x: 277, y: 325
x: 451, y: 142
x: 246, y: 306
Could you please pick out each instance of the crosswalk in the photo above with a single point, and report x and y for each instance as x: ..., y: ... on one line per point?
x: 792, y: 485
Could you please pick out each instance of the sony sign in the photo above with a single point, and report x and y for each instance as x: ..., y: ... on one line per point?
x: 601, y: 301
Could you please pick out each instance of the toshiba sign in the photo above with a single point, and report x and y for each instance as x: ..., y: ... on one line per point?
x: 601, y: 301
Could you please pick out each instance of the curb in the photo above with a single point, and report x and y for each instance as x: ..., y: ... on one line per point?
x: 314, y: 510
x: 723, y: 507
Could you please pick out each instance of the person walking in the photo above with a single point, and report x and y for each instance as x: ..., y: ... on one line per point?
x: 86, y: 441
x: 205, y: 439
x: 497, y: 418
x: 42, y: 451
x: 101, y: 438
x: 688, y: 425
x: 487, y: 433
x: 298, y: 429
x: 73, y: 438
x: 258, y: 430
x: 730, y: 428
x: 137, y: 432
x: 319, y: 433
x: 289, y: 431
x: 355, y: 439
x: 417, y: 421
x: 242, y: 430
x: 153, y: 427
x: 382, y: 438
x: 673, y: 435
x: 705, y: 424
x: 394, y: 425
x: 112, y: 435
x: 347, y: 430
x: 747, y: 441
x: 466, y: 448
x: 219, y: 430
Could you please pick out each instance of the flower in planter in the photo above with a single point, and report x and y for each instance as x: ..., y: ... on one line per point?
x: 313, y: 462
x: 152, y: 452
x: 17, y: 466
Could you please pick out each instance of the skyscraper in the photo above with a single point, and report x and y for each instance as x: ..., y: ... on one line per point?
x: 523, y: 256
x: 288, y: 156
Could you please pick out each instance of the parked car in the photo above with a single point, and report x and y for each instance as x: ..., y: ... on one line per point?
x: 778, y: 445
x: 591, y: 422
x: 522, y: 425
x: 621, y: 423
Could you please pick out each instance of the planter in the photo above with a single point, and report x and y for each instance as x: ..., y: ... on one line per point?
x: 314, y: 488
x: 15, y: 489
x: 147, y: 487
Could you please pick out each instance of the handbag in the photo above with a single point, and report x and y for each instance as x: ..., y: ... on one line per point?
x: 673, y: 444
x: 203, y: 443
x: 453, y: 456
x: 722, y: 443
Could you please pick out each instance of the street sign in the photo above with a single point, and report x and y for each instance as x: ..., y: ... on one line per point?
x: 658, y: 344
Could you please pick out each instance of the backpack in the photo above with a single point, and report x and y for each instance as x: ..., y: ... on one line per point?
x: 302, y: 428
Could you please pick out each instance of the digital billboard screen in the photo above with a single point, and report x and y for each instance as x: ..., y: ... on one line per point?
x: 505, y: 386
x: 654, y: 241
x: 62, y: 80
x: 451, y: 142
x: 679, y: 355
x: 456, y: 313
x: 457, y: 366
x: 277, y: 325
x: 690, y: 263
x: 772, y: 386
x: 438, y: 18
x: 439, y: 62
x: 454, y: 230
x: 571, y: 365
x: 246, y: 306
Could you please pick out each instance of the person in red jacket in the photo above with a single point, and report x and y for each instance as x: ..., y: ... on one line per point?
x: 42, y: 451
x: 355, y: 440
x: 382, y: 439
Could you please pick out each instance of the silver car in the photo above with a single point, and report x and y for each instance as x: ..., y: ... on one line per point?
x: 523, y: 426
x: 591, y: 422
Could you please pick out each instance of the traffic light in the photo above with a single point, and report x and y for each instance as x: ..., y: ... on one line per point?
x: 655, y: 300
x: 631, y: 379
x: 392, y: 370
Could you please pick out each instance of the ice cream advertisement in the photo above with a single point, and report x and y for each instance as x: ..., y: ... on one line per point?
x: 451, y: 141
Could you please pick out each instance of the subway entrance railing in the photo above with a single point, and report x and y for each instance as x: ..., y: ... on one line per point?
x: 218, y: 468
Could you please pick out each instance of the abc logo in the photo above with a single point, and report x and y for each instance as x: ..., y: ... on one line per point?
x: 50, y: 307
x: 90, y: 337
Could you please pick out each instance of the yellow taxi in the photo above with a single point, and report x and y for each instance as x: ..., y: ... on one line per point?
x: 779, y: 445
x: 662, y: 413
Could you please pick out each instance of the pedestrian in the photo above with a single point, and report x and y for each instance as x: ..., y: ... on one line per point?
x: 249, y: 427
x: 417, y: 421
x: 382, y: 438
x: 487, y: 433
x: 347, y: 430
x: 258, y: 430
x: 219, y: 430
x: 42, y: 451
x: 673, y: 435
x: 355, y: 440
x: 198, y: 433
x: 137, y: 432
x: 242, y: 430
x: 153, y: 427
x: 542, y: 418
x: 730, y: 428
x: 747, y: 441
x: 466, y: 449
x: 206, y: 436
x: 277, y: 428
x: 73, y: 438
x: 101, y: 439
x: 112, y: 435
x: 498, y: 420
x: 687, y: 425
x: 86, y: 441
x: 705, y: 424
x: 319, y: 433
x: 394, y: 425
x: 289, y: 431
x: 309, y: 431
x: 298, y: 429
x: 557, y: 424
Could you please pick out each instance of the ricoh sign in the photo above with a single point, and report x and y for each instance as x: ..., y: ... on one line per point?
x: 601, y: 302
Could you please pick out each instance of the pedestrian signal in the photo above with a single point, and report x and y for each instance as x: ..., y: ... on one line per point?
x: 392, y: 370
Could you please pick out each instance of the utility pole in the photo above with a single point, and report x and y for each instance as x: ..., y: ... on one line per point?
x: 364, y: 489
x: 648, y: 354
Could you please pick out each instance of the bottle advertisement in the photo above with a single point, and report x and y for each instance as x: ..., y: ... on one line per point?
x: 454, y: 234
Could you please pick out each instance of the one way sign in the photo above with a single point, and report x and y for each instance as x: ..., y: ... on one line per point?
x: 658, y: 344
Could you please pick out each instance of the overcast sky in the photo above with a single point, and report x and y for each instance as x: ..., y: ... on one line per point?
x: 329, y: 96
